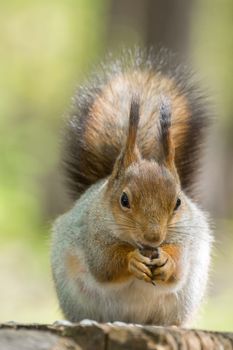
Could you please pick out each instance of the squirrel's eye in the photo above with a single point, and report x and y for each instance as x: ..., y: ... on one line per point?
x: 178, y: 203
x: 125, y: 200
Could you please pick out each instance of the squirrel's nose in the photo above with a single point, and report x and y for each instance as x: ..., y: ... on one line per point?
x: 154, y: 237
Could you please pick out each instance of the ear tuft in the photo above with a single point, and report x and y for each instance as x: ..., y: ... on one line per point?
x: 133, y: 124
x: 165, y: 124
x: 167, y: 149
x: 130, y: 152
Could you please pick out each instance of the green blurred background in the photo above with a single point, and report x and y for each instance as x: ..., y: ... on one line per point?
x: 46, y: 49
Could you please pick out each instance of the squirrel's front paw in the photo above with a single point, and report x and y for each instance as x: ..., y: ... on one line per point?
x: 137, y: 266
x: 163, y: 268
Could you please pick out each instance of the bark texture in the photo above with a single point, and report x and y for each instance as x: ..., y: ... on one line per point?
x: 88, y: 336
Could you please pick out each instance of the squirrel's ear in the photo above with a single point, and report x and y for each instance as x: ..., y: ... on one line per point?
x: 130, y: 153
x: 167, y: 150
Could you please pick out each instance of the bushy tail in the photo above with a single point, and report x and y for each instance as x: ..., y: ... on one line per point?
x: 97, y: 128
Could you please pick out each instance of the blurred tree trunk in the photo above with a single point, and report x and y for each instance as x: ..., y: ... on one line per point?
x: 169, y: 23
x: 150, y: 22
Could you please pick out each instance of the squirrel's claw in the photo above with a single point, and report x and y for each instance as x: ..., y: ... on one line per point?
x: 137, y: 266
x: 163, y: 268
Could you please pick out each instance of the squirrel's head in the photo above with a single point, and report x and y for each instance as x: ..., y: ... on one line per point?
x: 145, y: 195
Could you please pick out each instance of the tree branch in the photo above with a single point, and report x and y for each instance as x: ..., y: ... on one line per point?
x: 88, y: 336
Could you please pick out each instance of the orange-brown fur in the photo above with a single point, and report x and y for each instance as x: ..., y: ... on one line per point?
x: 116, y: 268
x: 109, y: 103
x: 153, y: 197
x: 73, y: 265
x: 152, y: 190
x: 174, y: 251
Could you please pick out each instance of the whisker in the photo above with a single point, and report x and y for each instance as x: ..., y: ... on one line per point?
x: 186, y: 227
x: 187, y: 235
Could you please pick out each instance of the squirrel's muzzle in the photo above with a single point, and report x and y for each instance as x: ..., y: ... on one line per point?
x: 154, y: 237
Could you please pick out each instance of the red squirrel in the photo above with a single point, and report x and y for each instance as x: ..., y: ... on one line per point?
x: 135, y: 247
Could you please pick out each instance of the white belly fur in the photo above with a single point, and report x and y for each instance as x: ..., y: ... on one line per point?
x: 135, y: 301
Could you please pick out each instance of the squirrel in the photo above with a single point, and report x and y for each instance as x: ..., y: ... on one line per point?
x: 135, y: 247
